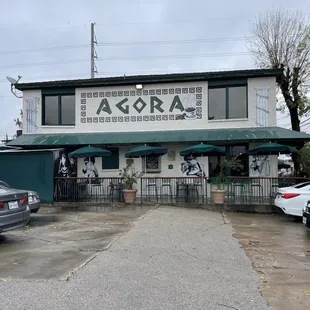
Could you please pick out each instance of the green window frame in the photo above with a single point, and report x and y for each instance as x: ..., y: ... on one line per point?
x: 58, y: 96
x: 111, y: 162
x: 227, y: 86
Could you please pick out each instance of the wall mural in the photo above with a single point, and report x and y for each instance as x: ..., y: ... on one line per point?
x: 260, y: 165
x: 191, y: 167
x: 90, y: 170
x: 64, y: 169
x: 262, y: 107
x: 155, y: 105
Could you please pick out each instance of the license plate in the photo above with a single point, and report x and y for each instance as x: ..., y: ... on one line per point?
x: 30, y: 199
x: 13, y: 205
x: 304, y: 220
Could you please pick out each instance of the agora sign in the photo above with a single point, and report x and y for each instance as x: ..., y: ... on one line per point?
x: 153, y: 106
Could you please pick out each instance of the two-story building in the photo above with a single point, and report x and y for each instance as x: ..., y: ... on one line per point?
x: 234, y: 109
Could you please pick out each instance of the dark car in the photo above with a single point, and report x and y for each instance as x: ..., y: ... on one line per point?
x: 33, y: 198
x: 14, y: 209
x: 306, y: 215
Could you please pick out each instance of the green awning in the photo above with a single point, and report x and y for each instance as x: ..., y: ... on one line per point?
x: 209, y: 136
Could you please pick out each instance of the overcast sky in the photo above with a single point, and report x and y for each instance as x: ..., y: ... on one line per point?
x: 49, y: 40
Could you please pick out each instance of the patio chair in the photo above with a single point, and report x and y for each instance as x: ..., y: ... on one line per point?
x: 151, y: 184
x: 166, y: 183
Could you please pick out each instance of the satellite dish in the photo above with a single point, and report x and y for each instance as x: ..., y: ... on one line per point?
x: 11, y: 80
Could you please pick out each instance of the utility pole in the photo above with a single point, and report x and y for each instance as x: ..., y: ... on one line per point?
x: 93, y: 54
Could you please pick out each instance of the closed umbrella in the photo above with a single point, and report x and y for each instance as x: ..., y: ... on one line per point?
x: 271, y: 149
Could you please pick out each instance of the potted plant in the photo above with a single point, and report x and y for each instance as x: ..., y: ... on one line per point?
x: 130, y: 177
x: 218, y: 194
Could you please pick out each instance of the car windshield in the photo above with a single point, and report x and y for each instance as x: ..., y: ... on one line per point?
x: 301, y: 185
x: 4, y: 185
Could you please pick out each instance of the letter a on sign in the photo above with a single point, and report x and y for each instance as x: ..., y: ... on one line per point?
x: 104, y: 106
x: 176, y: 104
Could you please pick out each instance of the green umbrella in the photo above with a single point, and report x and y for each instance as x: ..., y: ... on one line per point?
x: 203, y: 150
x: 89, y: 151
x: 271, y: 149
x: 145, y: 150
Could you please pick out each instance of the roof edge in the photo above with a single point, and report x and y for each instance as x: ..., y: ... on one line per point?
x: 148, y: 79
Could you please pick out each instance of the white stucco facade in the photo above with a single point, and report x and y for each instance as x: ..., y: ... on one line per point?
x: 155, y: 107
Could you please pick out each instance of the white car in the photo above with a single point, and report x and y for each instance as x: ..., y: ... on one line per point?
x: 293, y: 199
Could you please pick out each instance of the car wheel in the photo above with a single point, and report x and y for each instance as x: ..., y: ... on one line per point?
x: 297, y: 219
x: 34, y: 210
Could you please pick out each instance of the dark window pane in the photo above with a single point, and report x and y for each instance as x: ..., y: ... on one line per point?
x: 111, y: 162
x: 237, y: 102
x: 240, y: 151
x: 217, y: 103
x: 67, y: 110
x: 50, y: 116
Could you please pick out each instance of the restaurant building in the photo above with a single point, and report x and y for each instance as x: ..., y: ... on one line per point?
x: 233, y: 109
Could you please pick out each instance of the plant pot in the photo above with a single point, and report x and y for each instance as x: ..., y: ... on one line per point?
x: 130, y: 195
x: 218, y: 196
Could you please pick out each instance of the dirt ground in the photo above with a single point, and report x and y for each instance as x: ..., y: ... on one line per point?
x: 279, y: 248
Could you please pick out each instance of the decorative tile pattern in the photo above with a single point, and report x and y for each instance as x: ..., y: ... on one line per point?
x: 140, y: 104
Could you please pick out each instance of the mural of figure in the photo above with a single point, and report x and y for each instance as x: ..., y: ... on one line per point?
x: 260, y: 165
x: 63, y: 170
x: 73, y: 167
x: 90, y: 169
x: 191, y: 167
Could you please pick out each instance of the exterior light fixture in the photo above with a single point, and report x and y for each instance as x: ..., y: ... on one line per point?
x: 139, y: 86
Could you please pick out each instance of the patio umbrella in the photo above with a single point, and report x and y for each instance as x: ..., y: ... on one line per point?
x: 144, y: 151
x: 271, y: 149
x: 89, y: 151
x: 203, y: 150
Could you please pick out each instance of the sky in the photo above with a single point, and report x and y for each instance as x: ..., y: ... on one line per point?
x: 50, y: 40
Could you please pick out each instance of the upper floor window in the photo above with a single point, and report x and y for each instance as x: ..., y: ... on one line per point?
x: 227, y: 102
x: 58, y: 109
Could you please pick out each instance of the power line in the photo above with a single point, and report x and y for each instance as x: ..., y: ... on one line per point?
x: 38, y: 64
x: 46, y: 49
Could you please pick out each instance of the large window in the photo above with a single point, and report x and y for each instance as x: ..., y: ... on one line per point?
x: 239, y: 151
x: 227, y: 102
x: 58, y: 110
x: 111, y: 162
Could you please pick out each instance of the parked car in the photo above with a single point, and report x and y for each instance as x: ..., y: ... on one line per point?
x: 33, y: 198
x: 14, y: 209
x: 306, y: 215
x: 292, y: 199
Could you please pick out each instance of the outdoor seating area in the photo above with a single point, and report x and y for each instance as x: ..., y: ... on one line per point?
x: 174, y: 190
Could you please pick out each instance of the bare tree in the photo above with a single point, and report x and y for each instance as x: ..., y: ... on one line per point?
x: 19, y: 121
x: 281, y: 39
